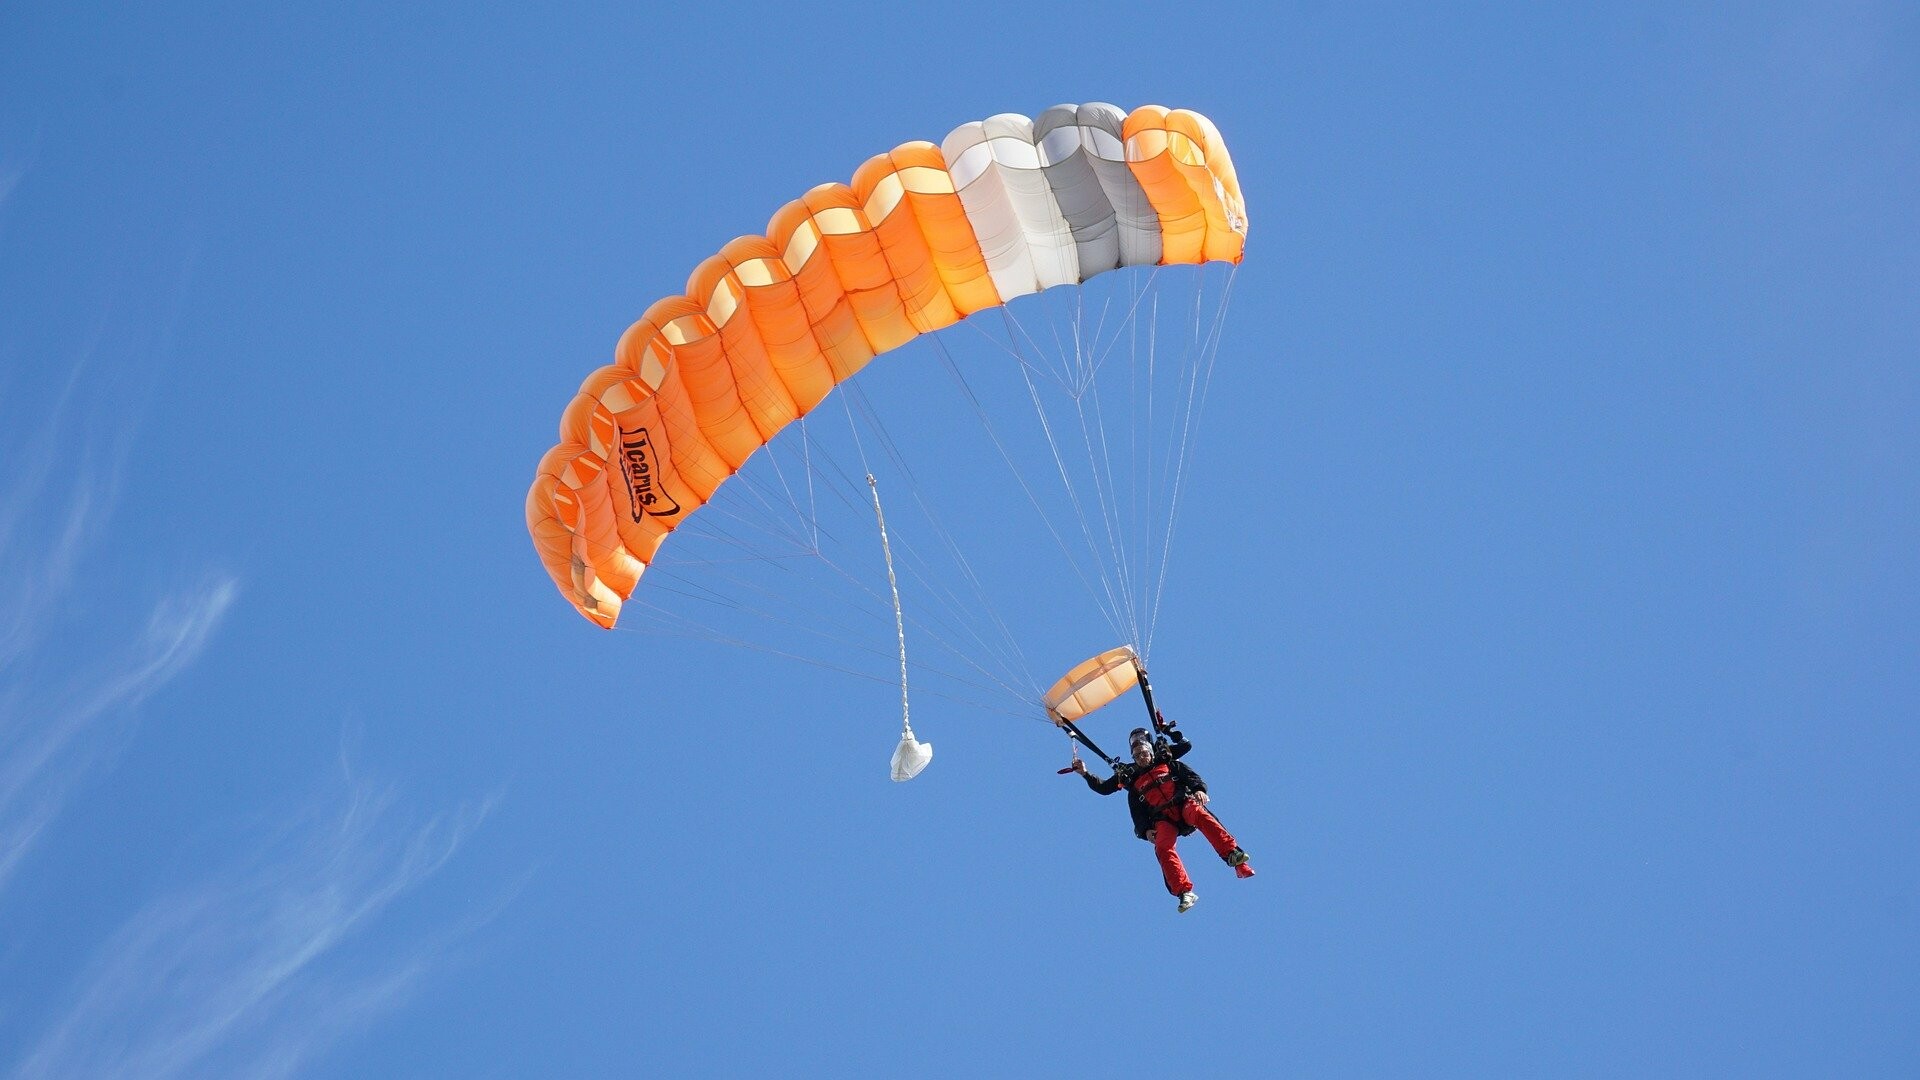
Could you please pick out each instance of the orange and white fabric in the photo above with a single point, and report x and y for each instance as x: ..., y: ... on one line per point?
x: 923, y: 237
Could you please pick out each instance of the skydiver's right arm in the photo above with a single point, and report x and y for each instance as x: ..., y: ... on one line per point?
x: 1100, y: 787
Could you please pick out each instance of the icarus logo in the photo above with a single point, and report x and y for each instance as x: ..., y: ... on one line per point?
x: 637, y: 462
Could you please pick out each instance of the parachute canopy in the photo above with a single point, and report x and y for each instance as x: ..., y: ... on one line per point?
x: 923, y: 237
x: 1092, y: 684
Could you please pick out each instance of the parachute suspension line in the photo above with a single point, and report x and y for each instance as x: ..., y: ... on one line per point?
x: 1135, y: 572
x: 1110, y: 509
x: 1201, y: 381
x: 846, y: 400
x: 1017, y: 356
x: 899, y: 620
x: 699, y: 632
x: 800, y: 518
x: 817, y: 628
x: 1016, y: 330
x: 813, y: 508
x: 1130, y: 325
x: 767, y: 519
x: 1139, y: 529
x: 1112, y: 609
x: 1006, y: 652
x: 792, y: 525
x: 717, y: 532
x: 938, y: 633
x: 766, y: 525
x: 1075, y: 332
x: 1153, y: 488
x: 1106, y: 308
x: 1105, y: 493
x: 1069, y: 359
x: 1114, y: 494
x: 1138, y: 429
x: 815, y: 623
x: 818, y: 623
x: 1154, y: 523
x: 1148, y: 524
x: 993, y: 435
x: 959, y: 626
x: 737, y: 593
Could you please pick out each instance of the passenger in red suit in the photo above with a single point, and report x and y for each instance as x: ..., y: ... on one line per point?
x: 1168, y: 800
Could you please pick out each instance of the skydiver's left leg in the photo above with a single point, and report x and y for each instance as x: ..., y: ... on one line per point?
x: 1224, y: 845
x: 1198, y: 816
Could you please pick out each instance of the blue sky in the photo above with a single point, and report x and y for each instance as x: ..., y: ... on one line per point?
x: 1543, y: 610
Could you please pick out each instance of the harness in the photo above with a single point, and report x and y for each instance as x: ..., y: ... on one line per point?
x: 1159, y: 780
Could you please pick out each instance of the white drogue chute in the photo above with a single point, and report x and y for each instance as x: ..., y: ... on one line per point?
x: 910, y: 756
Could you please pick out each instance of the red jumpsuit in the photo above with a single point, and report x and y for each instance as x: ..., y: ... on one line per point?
x: 1156, y: 788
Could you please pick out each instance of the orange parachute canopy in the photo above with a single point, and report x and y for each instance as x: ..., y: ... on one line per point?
x: 925, y: 236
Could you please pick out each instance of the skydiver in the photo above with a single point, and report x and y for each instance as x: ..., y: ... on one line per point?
x: 1168, y: 800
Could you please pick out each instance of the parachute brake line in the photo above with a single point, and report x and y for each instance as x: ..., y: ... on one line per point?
x: 911, y: 755
x: 1073, y: 749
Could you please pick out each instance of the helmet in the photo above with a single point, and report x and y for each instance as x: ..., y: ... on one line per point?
x: 1139, y: 735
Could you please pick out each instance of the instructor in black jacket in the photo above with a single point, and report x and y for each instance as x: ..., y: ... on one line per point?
x: 1168, y: 800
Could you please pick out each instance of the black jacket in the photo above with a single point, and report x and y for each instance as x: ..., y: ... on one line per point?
x: 1185, y: 782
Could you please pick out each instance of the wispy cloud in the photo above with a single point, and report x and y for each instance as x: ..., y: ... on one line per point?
x: 12, y: 168
x: 43, y: 530
x: 51, y: 741
x: 61, y: 719
x: 249, y: 969
x: 242, y: 974
x: 70, y: 690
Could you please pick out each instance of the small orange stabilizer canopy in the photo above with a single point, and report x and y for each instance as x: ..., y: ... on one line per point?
x: 1092, y: 684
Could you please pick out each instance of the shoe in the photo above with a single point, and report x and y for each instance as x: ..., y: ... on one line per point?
x: 1237, y: 859
x: 1187, y: 900
x: 1243, y: 870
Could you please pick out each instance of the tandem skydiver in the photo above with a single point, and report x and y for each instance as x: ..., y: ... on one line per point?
x: 1168, y: 800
